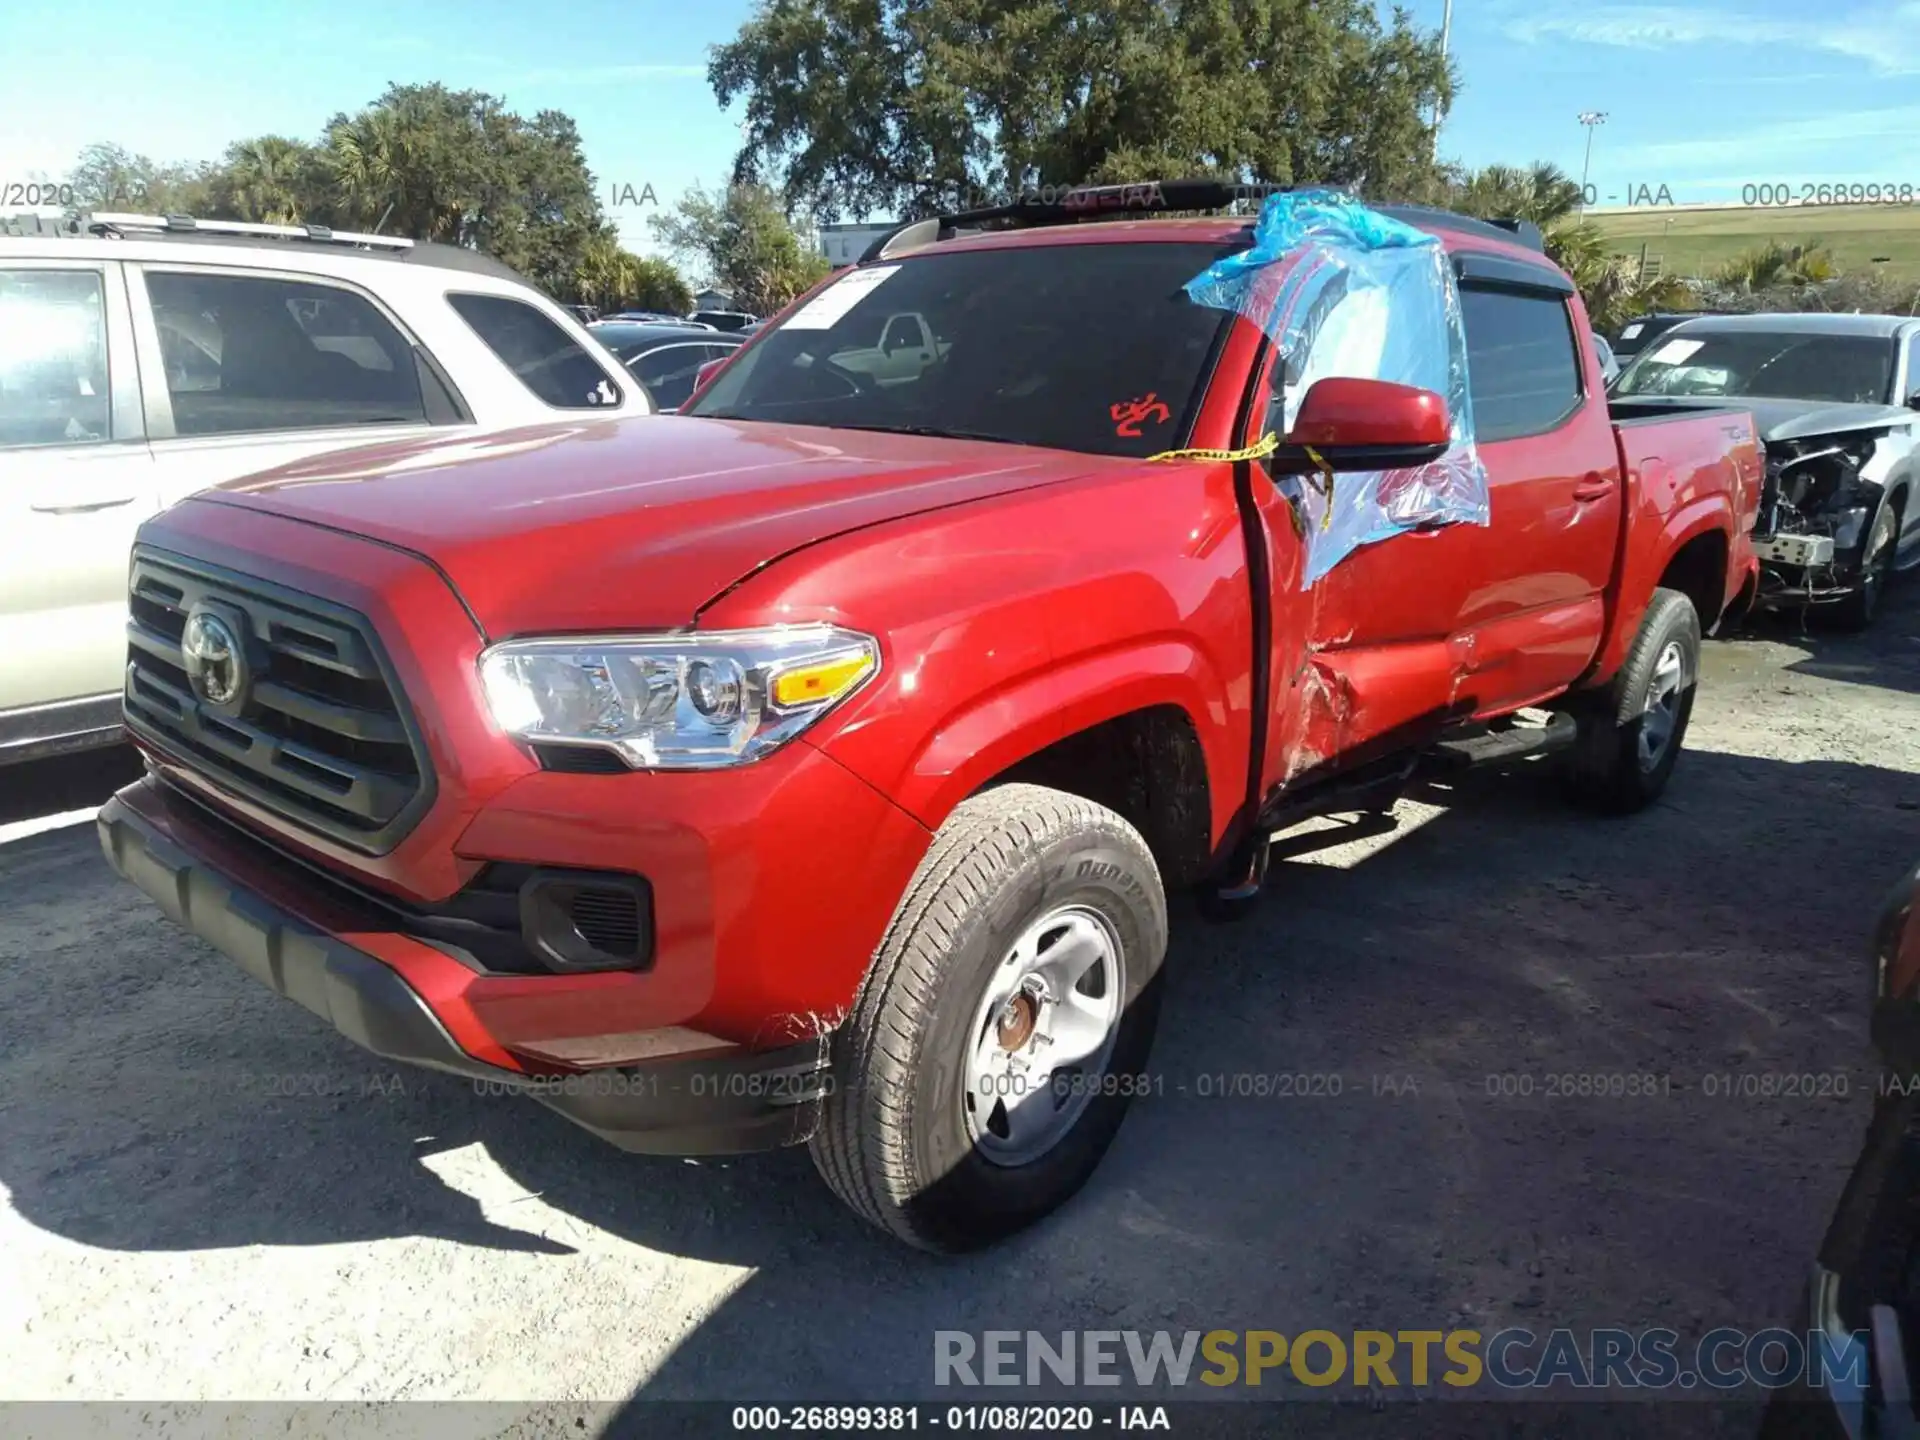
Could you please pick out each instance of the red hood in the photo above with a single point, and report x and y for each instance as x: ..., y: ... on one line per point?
x: 631, y: 524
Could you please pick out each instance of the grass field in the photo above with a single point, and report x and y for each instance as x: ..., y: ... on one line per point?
x: 1692, y: 241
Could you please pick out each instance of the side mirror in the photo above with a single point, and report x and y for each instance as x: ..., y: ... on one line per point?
x: 1356, y: 424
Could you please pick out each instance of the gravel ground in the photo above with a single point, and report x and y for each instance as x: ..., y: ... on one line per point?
x: 207, y: 1195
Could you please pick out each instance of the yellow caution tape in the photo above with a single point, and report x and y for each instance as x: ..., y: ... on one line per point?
x: 1326, y: 484
x: 1266, y: 445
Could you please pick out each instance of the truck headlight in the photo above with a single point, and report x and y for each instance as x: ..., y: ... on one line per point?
x: 696, y: 701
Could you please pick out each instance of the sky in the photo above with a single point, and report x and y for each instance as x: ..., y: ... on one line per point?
x: 1703, y: 99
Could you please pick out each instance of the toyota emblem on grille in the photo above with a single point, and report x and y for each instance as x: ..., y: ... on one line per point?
x: 216, y: 661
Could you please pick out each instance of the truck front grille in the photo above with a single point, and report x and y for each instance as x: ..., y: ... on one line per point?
x: 318, y: 731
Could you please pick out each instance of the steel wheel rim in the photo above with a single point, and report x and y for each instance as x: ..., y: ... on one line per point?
x: 1661, y: 717
x: 1873, y: 571
x: 1042, y: 1035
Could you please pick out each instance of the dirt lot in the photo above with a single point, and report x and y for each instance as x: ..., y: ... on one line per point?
x: 209, y: 1195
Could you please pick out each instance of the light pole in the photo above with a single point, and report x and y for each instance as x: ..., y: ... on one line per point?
x: 1590, y: 119
x: 1446, y: 29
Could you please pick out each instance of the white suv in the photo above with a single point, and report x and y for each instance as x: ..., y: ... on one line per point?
x: 142, y: 359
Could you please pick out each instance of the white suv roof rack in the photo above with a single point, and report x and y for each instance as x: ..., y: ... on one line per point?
x: 101, y: 222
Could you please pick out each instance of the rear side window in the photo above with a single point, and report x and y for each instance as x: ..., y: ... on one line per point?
x: 544, y: 357
x: 53, y: 358
x: 1523, y: 368
x: 246, y: 355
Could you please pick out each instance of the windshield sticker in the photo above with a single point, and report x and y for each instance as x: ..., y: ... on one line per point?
x: 825, y: 310
x: 1632, y: 330
x: 1675, y: 351
x: 1128, y: 415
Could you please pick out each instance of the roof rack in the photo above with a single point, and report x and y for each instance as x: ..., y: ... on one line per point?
x: 1106, y: 202
x: 115, y: 222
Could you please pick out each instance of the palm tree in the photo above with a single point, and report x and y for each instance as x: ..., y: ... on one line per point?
x: 266, y: 178
x: 1542, y: 193
x: 366, y: 160
x: 606, y: 275
x: 1618, y: 293
x: 1773, y: 264
x: 1552, y: 194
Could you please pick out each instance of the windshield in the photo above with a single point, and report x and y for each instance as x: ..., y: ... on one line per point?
x: 1844, y: 369
x: 1089, y: 347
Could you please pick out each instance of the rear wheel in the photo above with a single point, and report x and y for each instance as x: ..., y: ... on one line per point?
x: 1004, y: 1025
x: 1856, y: 612
x: 1631, y: 733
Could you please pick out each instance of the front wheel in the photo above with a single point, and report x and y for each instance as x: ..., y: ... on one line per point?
x: 1004, y: 1026
x: 1856, y: 612
x: 1630, y: 733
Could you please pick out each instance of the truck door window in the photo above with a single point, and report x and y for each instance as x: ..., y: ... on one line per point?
x: 1344, y: 332
x: 248, y: 355
x: 1523, y: 361
x: 53, y: 358
x: 904, y: 332
x: 669, y: 372
x: 541, y: 354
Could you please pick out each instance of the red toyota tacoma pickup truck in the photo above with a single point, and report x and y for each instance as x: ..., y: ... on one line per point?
x: 816, y: 765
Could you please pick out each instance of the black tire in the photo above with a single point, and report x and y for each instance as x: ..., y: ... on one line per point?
x: 1610, y: 770
x: 893, y: 1139
x: 1858, y: 610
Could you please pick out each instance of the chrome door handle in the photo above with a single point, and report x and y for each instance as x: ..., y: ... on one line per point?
x: 84, y: 509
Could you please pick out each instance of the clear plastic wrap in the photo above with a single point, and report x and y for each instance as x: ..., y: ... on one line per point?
x: 1342, y: 289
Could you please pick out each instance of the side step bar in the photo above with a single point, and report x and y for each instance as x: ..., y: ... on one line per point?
x: 1371, y: 788
x: 1513, y: 743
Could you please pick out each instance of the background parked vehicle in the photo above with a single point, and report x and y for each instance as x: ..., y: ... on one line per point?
x: 837, y: 745
x: 654, y: 317
x: 140, y: 362
x: 1835, y: 397
x: 1642, y: 330
x: 665, y: 358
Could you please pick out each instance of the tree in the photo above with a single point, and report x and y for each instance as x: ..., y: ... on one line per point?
x: 1775, y: 264
x: 657, y: 286
x: 615, y: 279
x: 110, y: 177
x: 869, y: 106
x: 742, y: 238
x: 457, y: 166
x: 422, y: 162
x: 1610, y: 283
x: 270, y: 180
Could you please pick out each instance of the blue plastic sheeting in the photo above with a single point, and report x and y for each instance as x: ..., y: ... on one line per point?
x: 1344, y: 290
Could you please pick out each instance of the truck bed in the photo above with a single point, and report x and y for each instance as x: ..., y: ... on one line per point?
x: 1688, y: 472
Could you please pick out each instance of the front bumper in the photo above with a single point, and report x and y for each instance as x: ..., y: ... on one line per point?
x: 721, y: 1101
x: 1813, y: 568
